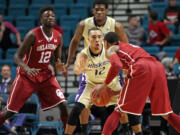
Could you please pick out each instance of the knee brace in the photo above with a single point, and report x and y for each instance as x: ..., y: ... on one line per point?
x: 74, y: 115
x: 133, y: 119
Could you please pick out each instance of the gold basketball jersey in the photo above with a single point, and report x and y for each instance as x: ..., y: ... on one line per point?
x: 100, y: 66
x: 109, y: 26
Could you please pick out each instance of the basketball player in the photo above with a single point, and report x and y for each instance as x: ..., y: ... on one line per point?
x: 99, y: 20
x: 91, y: 60
x: 103, y: 22
x: 33, y: 74
x: 146, y: 78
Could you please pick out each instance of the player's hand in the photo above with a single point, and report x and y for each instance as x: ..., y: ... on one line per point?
x: 98, y: 89
x: 32, y: 71
x: 59, y: 66
x: 51, y: 68
x: 65, y: 72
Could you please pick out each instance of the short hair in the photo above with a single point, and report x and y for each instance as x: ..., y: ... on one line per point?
x: 153, y: 15
x: 111, y: 37
x: 104, y: 2
x: 94, y: 28
x: 45, y: 8
x: 130, y: 17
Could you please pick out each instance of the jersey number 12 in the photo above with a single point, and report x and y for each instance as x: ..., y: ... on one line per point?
x: 45, y: 57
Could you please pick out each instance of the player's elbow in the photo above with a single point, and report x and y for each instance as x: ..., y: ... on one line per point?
x: 116, y: 65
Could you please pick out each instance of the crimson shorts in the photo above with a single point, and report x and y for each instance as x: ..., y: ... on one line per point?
x: 146, y: 78
x: 49, y: 92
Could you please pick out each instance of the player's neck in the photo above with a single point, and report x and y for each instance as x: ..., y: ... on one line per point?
x: 100, y: 23
x: 47, y: 31
x: 95, y: 52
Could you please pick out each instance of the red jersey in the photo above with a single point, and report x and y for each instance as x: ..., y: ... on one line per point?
x: 177, y: 55
x: 157, y: 32
x: 129, y: 53
x: 41, y: 52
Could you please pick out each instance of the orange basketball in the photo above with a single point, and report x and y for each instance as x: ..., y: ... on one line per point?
x: 101, y: 99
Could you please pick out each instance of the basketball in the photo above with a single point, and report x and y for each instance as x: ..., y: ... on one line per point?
x: 101, y: 99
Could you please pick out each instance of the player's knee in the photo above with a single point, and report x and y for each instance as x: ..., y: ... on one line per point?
x: 165, y: 116
x: 74, y: 115
x: 133, y: 119
x: 63, y: 105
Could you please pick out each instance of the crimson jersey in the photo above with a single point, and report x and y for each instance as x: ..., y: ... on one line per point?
x: 157, y: 32
x: 129, y: 53
x: 177, y: 55
x: 41, y: 52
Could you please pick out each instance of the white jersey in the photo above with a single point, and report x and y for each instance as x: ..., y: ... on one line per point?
x: 100, y: 66
x: 109, y: 26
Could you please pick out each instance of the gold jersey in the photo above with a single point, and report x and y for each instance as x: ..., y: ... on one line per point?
x: 100, y: 66
x: 109, y: 26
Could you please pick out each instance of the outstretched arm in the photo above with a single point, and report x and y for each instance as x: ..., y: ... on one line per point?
x: 80, y: 64
x: 116, y: 64
x: 74, y: 43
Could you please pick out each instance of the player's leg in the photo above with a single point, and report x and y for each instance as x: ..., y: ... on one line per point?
x: 50, y: 95
x: 134, y: 121
x: 160, y: 105
x: 174, y: 120
x: 21, y: 90
x: 138, y: 81
x: 83, y: 102
x: 84, y: 118
x: 64, y: 112
x: 124, y: 120
x: 73, y: 118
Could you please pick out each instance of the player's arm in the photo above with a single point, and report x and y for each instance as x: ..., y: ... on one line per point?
x: 57, y: 56
x: 116, y: 64
x: 24, y: 48
x: 75, y: 42
x: 80, y: 64
x: 119, y: 29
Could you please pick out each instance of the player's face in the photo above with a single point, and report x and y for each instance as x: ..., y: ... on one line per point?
x: 100, y: 12
x: 6, y: 72
x: 48, y: 18
x: 95, y: 39
x: 106, y: 46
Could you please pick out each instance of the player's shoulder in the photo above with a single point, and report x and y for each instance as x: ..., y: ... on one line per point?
x: 110, y: 18
x: 56, y: 33
x: 88, y: 20
x: 35, y: 32
x: 31, y: 33
x: 36, y: 29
